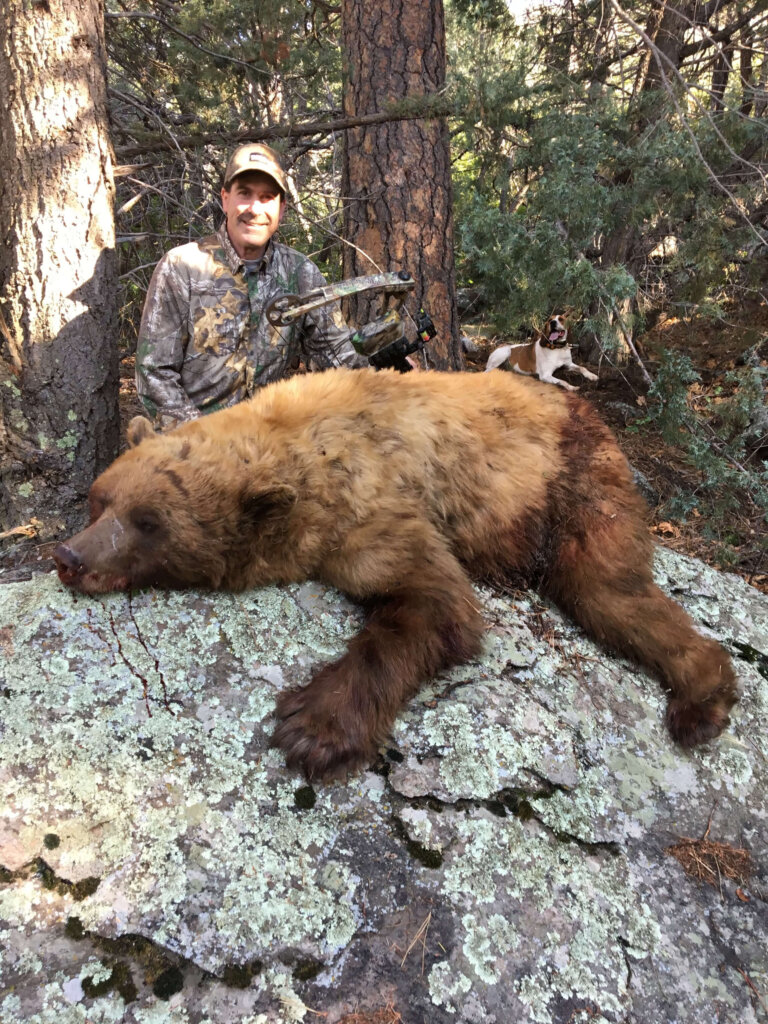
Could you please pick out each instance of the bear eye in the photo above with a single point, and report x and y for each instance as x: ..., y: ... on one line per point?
x: 146, y: 521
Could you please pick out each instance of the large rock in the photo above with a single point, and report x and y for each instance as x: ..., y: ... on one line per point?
x: 506, y: 860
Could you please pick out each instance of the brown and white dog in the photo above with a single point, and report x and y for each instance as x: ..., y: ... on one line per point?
x: 549, y: 352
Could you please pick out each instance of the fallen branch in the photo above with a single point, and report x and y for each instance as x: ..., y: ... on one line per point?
x: 30, y: 529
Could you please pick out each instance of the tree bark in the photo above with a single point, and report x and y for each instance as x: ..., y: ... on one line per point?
x: 674, y: 23
x: 58, y: 280
x: 397, y: 176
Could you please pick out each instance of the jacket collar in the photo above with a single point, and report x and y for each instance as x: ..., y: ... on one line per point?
x: 231, y: 258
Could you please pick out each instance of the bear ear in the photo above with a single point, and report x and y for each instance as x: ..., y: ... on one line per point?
x: 138, y: 429
x: 267, y: 504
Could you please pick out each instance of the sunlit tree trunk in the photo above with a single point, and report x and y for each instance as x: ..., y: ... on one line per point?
x: 397, y: 176
x: 58, y: 285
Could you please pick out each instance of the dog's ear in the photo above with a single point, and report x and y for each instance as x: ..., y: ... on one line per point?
x: 138, y: 429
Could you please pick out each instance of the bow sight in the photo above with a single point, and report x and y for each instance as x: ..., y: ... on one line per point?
x: 382, y: 340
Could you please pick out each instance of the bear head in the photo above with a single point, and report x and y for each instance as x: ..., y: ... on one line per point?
x: 176, y: 510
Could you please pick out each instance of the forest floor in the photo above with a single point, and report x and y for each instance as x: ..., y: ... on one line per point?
x: 737, y: 544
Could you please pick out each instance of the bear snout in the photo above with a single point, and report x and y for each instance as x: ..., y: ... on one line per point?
x: 68, y: 564
x: 96, y: 560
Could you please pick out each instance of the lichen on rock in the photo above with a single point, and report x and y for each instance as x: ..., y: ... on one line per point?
x: 504, y: 859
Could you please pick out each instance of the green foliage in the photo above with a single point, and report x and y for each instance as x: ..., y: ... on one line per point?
x: 713, y: 437
x: 668, y: 396
x: 527, y: 269
x: 573, y: 170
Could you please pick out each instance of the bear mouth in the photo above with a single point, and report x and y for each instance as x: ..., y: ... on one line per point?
x: 92, y: 582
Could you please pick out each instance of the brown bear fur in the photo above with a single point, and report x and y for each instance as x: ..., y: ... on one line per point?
x: 396, y: 489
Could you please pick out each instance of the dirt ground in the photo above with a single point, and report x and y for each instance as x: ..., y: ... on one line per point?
x: 620, y: 395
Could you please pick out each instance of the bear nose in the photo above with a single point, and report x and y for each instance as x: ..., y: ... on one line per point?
x: 67, y: 562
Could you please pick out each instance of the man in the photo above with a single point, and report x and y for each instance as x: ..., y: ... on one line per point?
x: 205, y: 342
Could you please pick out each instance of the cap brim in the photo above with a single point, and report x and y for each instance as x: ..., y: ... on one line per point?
x: 263, y: 167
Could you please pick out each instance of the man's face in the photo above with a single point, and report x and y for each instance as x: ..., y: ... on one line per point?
x: 254, y: 207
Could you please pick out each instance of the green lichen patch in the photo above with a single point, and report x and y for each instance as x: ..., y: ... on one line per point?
x: 569, y: 909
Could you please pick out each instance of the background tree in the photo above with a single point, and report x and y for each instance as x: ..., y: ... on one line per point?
x: 58, y: 351
x: 397, y: 176
x: 607, y: 155
x: 595, y: 167
x: 270, y: 73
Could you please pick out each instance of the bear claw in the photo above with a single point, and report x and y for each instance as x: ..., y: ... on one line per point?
x: 316, y: 741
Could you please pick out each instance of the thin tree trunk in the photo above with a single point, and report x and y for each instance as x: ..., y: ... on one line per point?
x: 721, y: 72
x: 670, y: 37
x: 58, y: 283
x: 747, y: 75
x: 397, y: 176
x: 666, y: 28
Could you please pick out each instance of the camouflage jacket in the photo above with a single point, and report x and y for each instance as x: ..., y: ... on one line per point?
x: 205, y: 342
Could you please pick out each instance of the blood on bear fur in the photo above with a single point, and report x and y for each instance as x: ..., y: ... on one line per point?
x: 397, y: 489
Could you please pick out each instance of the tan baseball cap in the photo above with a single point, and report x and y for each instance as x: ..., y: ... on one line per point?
x: 256, y: 157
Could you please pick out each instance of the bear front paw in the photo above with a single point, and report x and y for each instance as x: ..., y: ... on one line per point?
x: 320, y: 737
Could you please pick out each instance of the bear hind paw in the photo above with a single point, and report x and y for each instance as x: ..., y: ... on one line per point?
x: 691, y: 724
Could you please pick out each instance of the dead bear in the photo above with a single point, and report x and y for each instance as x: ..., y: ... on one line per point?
x: 397, y: 489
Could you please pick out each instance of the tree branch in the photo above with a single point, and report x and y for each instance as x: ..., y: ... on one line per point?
x: 661, y: 58
x: 436, y: 105
x: 724, y: 34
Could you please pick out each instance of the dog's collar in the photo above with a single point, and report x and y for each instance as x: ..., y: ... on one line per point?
x: 546, y: 343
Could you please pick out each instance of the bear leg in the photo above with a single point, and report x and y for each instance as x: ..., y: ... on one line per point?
x: 424, y: 621
x: 618, y: 603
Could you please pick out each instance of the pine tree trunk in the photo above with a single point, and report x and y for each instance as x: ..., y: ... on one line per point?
x: 397, y: 176
x: 58, y: 280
